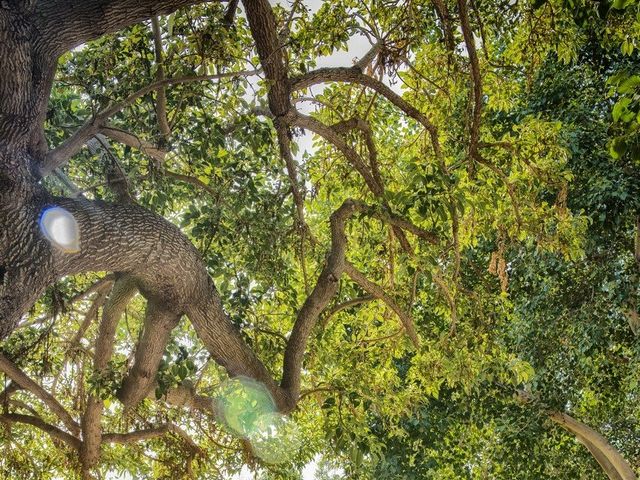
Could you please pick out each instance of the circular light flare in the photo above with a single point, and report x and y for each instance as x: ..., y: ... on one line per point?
x: 249, y: 411
x: 275, y: 438
x: 242, y: 401
x: 61, y: 229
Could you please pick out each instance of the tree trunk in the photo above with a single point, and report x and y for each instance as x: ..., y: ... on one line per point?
x: 162, y: 262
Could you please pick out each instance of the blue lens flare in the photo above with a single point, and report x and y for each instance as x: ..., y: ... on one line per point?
x: 61, y: 229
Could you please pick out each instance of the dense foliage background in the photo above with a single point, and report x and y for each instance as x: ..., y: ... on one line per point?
x: 526, y: 305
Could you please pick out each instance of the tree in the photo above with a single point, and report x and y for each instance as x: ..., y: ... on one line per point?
x: 406, y: 199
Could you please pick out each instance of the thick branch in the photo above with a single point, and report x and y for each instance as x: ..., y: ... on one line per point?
x: 324, y: 290
x: 601, y: 458
x: 621, y: 466
x: 55, y: 432
x: 265, y: 33
x: 156, y: 332
x: 378, y: 292
x: 68, y: 23
x: 14, y: 373
x: 230, y: 13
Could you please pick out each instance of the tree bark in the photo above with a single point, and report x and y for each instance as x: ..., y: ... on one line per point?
x: 593, y: 440
x: 156, y: 332
x: 121, y: 293
x: 68, y: 23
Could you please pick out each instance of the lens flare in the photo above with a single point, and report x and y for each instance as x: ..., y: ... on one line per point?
x: 61, y: 229
x: 275, y: 438
x: 242, y: 401
x: 249, y: 412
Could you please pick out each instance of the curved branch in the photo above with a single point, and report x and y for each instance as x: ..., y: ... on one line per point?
x: 12, y: 371
x: 355, y: 75
x: 365, y: 128
x: 378, y: 292
x: 324, y: 290
x: 344, y: 305
x: 333, y: 137
x: 131, y: 140
x: 622, y: 468
x: 53, y: 431
x: 72, y: 145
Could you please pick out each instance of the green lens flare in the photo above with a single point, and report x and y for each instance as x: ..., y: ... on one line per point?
x: 276, y: 438
x: 242, y: 401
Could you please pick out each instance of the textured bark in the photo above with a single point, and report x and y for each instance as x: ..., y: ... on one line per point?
x: 68, y: 23
x: 324, y: 290
x: 156, y: 332
x: 149, y: 253
x: 263, y: 28
x: 167, y: 269
x: 26, y: 74
x: 121, y: 293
